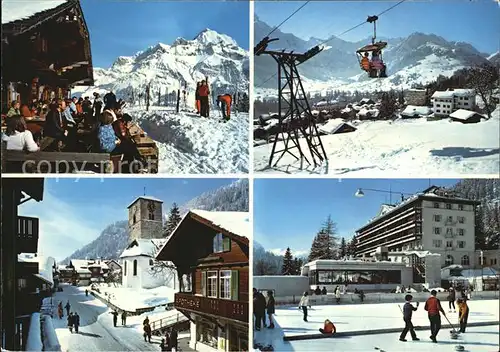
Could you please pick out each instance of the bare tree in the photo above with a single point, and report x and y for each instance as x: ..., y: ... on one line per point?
x: 484, y: 80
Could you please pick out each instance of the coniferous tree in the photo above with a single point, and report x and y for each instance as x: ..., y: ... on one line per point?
x: 297, y: 265
x: 324, y: 245
x: 343, y: 248
x: 288, y: 263
x: 174, y: 217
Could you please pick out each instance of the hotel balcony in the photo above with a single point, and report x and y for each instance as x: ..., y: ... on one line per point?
x: 27, y: 234
x: 234, y: 310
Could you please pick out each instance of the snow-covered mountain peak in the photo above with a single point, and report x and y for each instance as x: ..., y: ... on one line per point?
x: 209, y: 36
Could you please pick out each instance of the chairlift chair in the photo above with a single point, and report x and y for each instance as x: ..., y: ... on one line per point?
x: 374, y: 47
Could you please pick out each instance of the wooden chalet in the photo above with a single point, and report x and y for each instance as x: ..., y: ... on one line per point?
x: 45, y: 50
x: 19, y: 235
x: 211, y: 253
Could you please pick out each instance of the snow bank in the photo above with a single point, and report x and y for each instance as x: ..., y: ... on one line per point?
x: 50, y: 340
x: 132, y: 299
x: 235, y: 222
x: 34, y: 341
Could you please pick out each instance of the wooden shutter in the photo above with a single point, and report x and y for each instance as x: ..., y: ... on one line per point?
x: 226, y: 244
x: 204, y: 283
x: 235, y: 285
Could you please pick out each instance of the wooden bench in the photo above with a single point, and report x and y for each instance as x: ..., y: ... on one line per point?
x: 55, y: 162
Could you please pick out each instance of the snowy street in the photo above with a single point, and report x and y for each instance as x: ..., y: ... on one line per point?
x: 288, y: 321
x: 96, y: 331
x: 402, y: 148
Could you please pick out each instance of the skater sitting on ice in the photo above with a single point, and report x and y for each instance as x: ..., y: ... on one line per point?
x: 463, y: 314
x: 270, y: 308
x: 328, y: 328
x: 408, y: 310
x: 451, y: 300
x: 303, y: 304
x: 317, y: 291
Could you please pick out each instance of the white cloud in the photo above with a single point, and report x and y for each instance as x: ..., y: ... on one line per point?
x: 295, y: 253
x: 64, y: 227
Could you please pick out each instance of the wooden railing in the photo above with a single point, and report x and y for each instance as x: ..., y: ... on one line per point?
x: 27, y: 234
x: 235, y: 310
x: 167, y: 322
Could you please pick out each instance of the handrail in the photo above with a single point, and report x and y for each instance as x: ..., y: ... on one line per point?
x: 167, y: 321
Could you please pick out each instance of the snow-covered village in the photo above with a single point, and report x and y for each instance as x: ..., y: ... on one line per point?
x: 169, y: 270
x: 380, y: 95
x: 167, y: 91
x: 376, y: 264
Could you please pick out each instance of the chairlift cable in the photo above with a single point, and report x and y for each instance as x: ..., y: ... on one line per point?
x: 286, y: 19
x: 341, y: 34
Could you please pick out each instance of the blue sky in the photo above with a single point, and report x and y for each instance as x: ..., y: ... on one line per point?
x: 122, y: 28
x: 75, y: 211
x: 289, y: 212
x: 476, y: 22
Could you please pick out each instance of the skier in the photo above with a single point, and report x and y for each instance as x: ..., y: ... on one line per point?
x: 407, y: 313
x: 433, y: 308
x: 173, y: 339
x: 197, y: 98
x: 115, y: 317
x: 270, y: 308
x: 328, y: 328
x: 68, y: 307
x: 76, y: 321
x: 204, y: 93
x: 224, y: 103
x: 463, y: 314
x: 109, y: 100
x: 303, y: 304
x: 451, y: 300
x: 124, y: 318
x: 71, y: 321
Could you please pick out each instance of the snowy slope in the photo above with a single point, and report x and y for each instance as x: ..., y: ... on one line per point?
x: 190, y: 144
x: 417, y: 59
x: 404, y: 149
x: 167, y: 67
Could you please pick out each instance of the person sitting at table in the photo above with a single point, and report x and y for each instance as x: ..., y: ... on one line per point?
x: 14, y: 109
x: 17, y: 136
x: 55, y: 131
x: 25, y: 111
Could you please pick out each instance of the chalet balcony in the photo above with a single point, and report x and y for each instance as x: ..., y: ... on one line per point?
x: 27, y: 234
x: 235, y: 310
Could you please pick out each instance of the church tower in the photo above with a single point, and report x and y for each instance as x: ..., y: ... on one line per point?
x: 145, y: 218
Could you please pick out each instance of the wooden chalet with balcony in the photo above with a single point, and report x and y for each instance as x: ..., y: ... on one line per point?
x: 210, y: 251
x: 45, y: 50
x: 19, y: 235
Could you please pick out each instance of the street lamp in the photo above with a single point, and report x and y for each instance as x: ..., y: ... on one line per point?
x: 360, y: 194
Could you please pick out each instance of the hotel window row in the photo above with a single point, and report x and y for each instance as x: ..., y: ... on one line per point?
x: 449, y: 219
x: 223, y: 284
x: 448, y: 206
x: 449, y: 244
x: 449, y: 231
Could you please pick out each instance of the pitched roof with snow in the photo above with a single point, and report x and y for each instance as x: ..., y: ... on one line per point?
x: 462, y: 114
x: 412, y: 110
x: 143, y: 247
x: 333, y: 125
x: 146, y: 198
x: 15, y: 10
x: 448, y: 94
x: 235, y: 222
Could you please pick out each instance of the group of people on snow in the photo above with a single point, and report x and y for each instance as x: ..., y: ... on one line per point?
x: 260, y: 306
x: 115, y: 317
x: 73, y: 321
x: 202, y: 94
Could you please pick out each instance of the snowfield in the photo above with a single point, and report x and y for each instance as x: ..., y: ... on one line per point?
x: 190, y: 144
x: 142, y: 298
x: 402, y: 148
x: 360, y: 317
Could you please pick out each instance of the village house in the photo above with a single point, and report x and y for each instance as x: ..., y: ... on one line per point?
x: 45, y: 50
x: 465, y: 116
x: 413, y: 111
x: 446, y: 102
x: 211, y: 251
x: 416, y: 97
x: 87, y: 271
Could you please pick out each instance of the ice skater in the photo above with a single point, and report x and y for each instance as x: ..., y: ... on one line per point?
x: 408, y: 310
x: 303, y: 304
x: 434, y: 308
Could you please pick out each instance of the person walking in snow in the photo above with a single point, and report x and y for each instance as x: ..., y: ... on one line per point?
x: 262, y: 307
x: 146, y: 321
x: 147, y: 332
x: 68, y: 307
x: 256, y: 309
x: 173, y: 339
x: 303, y: 304
x: 270, y: 308
x: 124, y: 318
x: 115, y: 317
x: 408, y: 310
x: 71, y: 322
x: 60, y: 310
x: 434, y: 308
x: 86, y: 293
x: 451, y: 300
x: 76, y: 321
